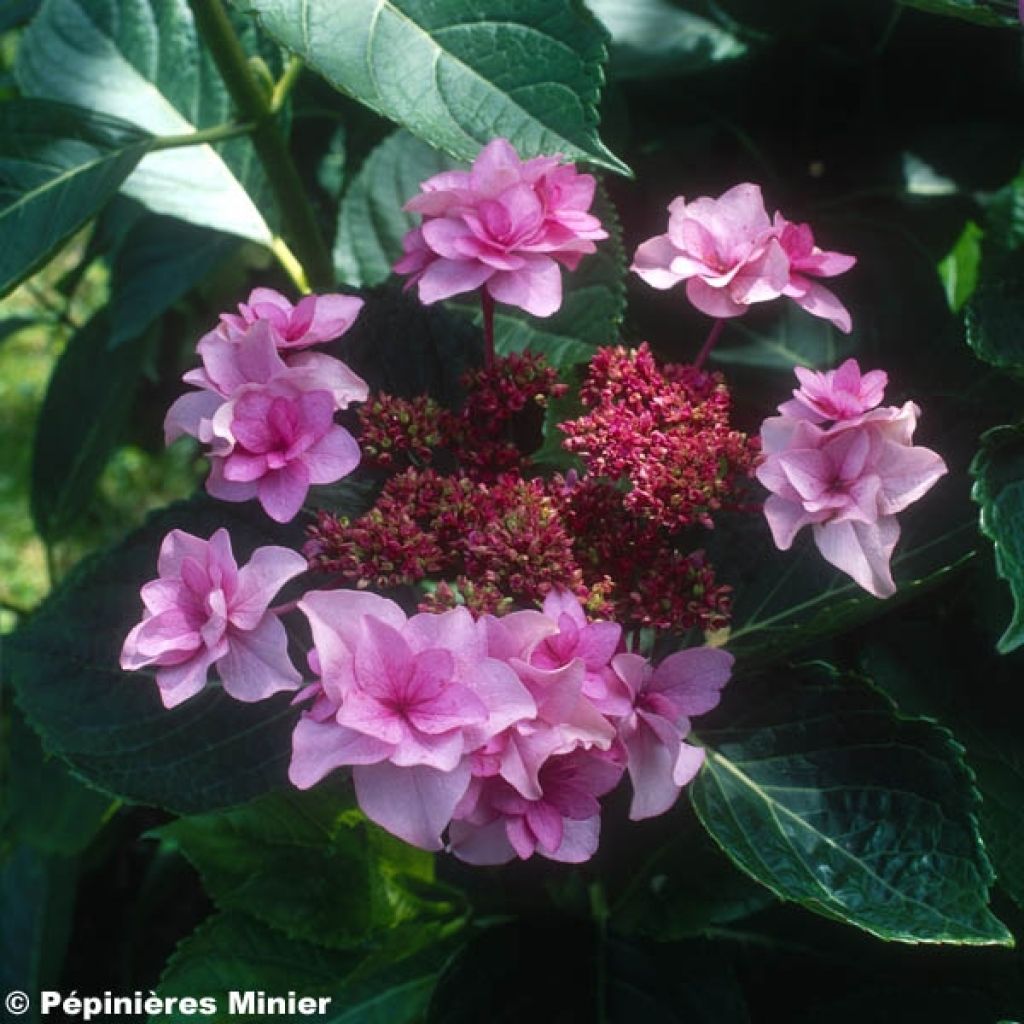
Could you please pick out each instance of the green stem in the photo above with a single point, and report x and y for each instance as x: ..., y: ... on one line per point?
x: 217, y: 133
x: 253, y: 105
x: 285, y: 83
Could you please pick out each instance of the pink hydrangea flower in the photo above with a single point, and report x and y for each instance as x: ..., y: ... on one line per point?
x: 272, y: 443
x: 270, y: 423
x: 204, y: 611
x: 848, y: 482
x: 725, y: 250
x: 806, y: 260
x: 731, y: 255
x: 494, y: 823
x: 409, y: 701
x: 841, y: 394
x: 505, y: 225
x: 660, y: 761
x: 312, y: 321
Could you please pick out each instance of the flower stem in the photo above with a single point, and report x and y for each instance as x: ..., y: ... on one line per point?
x: 291, y: 266
x: 709, y: 344
x: 253, y: 105
x: 204, y: 136
x: 487, y: 306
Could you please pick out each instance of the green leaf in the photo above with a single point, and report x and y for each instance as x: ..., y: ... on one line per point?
x: 209, y: 752
x: 58, y: 166
x: 44, y: 805
x: 984, y: 12
x: 654, y: 38
x: 16, y: 12
x: 789, y: 600
x: 458, y: 74
x: 372, y: 223
x: 233, y: 953
x: 824, y: 793
x: 159, y: 261
x: 995, y: 314
x: 11, y: 325
x: 143, y: 62
x: 310, y: 865
x: 958, y: 270
x: 37, y: 900
x: 998, y: 471
x: 87, y: 403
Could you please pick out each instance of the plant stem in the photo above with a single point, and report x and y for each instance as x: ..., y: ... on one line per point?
x: 284, y: 84
x: 291, y: 266
x: 708, y: 345
x: 216, y: 133
x: 487, y: 306
x: 253, y: 105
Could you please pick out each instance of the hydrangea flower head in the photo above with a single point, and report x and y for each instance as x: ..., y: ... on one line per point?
x: 204, y: 611
x: 505, y: 225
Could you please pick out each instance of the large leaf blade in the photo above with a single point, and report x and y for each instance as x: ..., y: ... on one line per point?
x: 457, y: 74
x: 826, y: 795
x: 142, y: 61
x: 58, y: 166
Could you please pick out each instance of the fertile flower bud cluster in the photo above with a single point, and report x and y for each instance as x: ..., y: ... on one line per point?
x: 494, y: 538
x: 838, y: 461
x: 266, y: 406
x: 664, y: 432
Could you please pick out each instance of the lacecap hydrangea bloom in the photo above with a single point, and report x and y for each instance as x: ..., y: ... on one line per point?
x: 506, y: 225
x: 839, y: 462
x: 731, y: 255
x: 267, y: 410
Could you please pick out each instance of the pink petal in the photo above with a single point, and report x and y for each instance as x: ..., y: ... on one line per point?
x: 266, y: 572
x: 281, y: 492
x: 907, y: 474
x: 761, y: 279
x: 819, y: 301
x: 187, y: 412
x: 689, y: 763
x: 364, y: 713
x: 579, y: 841
x: 165, y: 638
x: 414, y: 804
x: 445, y: 278
x: 228, y: 490
x: 443, y: 235
x: 383, y: 661
x: 257, y: 663
x: 442, y: 752
x: 333, y: 315
x: 333, y: 457
x: 861, y: 550
x: 712, y: 301
x: 179, y: 682
x: 537, y: 288
x: 546, y: 824
x: 480, y: 844
x: 320, y: 747
x: 653, y: 752
x: 314, y: 370
x: 693, y: 679
x: 496, y: 167
x: 652, y: 262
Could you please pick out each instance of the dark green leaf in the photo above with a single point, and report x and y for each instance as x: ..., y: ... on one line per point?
x: 984, y: 12
x: 457, y: 74
x: 998, y: 471
x: 823, y: 793
x: 369, y: 240
x: 995, y: 314
x: 159, y: 261
x: 16, y: 12
x: 234, y: 953
x: 87, y: 402
x: 310, y: 865
x: 11, y: 325
x: 211, y: 751
x: 58, y: 166
x: 654, y: 38
x: 44, y: 805
x: 959, y: 269
x: 37, y: 894
x: 142, y: 62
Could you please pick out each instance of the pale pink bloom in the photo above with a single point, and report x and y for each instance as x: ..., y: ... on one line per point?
x: 204, y: 611
x: 494, y: 823
x: 841, y: 394
x: 806, y: 260
x: 685, y: 684
x: 848, y: 483
x: 725, y: 249
x: 505, y: 225
x: 405, y: 702
x: 312, y: 321
x: 273, y: 442
x: 252, y: 357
